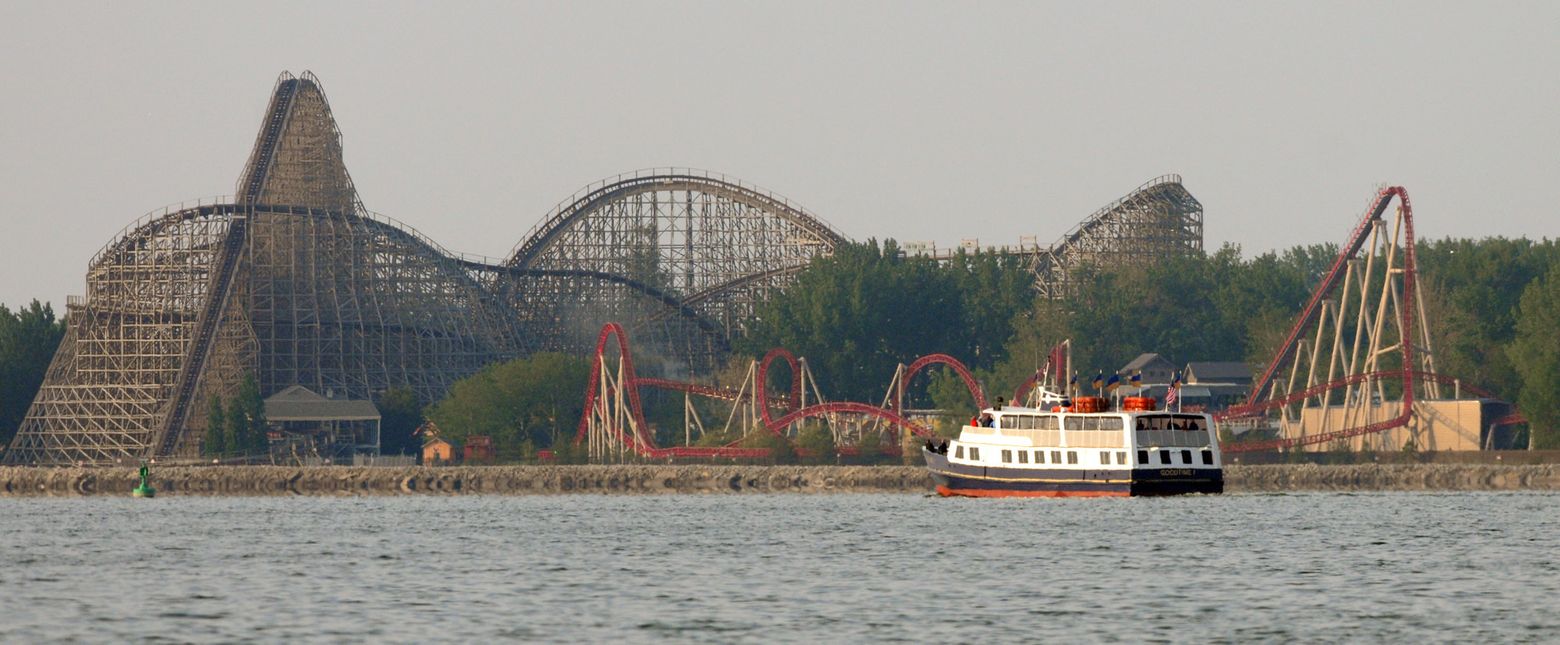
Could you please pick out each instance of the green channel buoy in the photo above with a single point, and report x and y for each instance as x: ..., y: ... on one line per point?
x: 145, y: 489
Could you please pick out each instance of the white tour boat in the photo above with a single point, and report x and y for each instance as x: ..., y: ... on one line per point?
x: 1079, y: 448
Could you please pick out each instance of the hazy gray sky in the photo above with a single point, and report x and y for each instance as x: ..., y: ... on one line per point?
x: 911, y: 120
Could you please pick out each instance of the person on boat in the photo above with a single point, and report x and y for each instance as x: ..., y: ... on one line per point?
x: 985, y: 420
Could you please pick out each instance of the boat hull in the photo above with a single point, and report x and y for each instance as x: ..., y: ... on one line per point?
x: 958, y: 480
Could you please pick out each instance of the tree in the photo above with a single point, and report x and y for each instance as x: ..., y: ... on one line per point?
x: 858, y: 313
x: 254, y: 410
x: 252, y: 427
x: 993, y: 290
x: 400, y: 414
x: 1034, y: 333
x: 522, y: 403
x: 1487, y: 279
x: 28, y: 339
x: 949, y: 394
x: 244, y: 431
x: 1535, y: 351
x: 236, y: 434
x: 216, y: 422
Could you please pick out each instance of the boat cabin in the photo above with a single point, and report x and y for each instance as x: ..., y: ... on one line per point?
x: 1029, y: 437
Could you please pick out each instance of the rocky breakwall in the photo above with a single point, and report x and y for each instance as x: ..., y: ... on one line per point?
x: 660, y: 479
x: 1389, y: 477
x: 501, y: 480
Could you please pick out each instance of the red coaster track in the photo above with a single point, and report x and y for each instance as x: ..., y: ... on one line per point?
x: 613, y: 405
x: 1362, y: 310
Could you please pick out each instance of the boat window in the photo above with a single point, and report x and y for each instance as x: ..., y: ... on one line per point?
x: 975, y: 453
x: 1026, y: 422
x: 958, y: 453
x: 1164, y: 457
x: 1072, y: 456
x: 1046, y: 423
x: 1186, y: 457
x: 1007, y: 456
x: 1104, y: 458
x: 1039, y: 456
x: 1121, y: 457
x: 1142, y: 456
x: 1207, y: 457
x: 1023, y: 456
x: 1056, y: 456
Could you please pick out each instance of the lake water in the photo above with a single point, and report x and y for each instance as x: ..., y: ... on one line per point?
x: 783, y: 568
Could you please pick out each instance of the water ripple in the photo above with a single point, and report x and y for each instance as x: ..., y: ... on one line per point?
x: 740, y: 568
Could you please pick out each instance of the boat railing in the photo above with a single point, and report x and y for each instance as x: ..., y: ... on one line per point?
x: 1095, y: 439
x: 1177, y: 438
x: 1036, y: 437
x: 1057, y: 438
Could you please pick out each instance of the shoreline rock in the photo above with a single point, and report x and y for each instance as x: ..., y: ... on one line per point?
x: 706, y: 479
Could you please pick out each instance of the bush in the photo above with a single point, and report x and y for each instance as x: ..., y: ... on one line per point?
x: 818, y: 442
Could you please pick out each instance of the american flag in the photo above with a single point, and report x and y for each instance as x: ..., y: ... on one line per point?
x: 1174, y: 392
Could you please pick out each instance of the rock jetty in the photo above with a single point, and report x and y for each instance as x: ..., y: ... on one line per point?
x: 707, y: 479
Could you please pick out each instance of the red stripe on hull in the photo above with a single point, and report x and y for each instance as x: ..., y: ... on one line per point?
x: 990, y: 492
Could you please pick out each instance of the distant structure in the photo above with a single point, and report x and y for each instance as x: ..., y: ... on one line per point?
x: 291, y: 280
x: 1224, y: 372
x: 308, y: 423
x: 1158, y: 220
x: 685, y: 255
x: 1153, y: 368
x: 294, y: 281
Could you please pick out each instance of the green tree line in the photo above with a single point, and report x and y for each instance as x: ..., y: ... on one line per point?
x: 1491, y: 305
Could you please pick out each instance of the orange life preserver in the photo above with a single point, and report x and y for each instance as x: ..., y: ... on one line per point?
x: 1089, y: 404
x: 1138, y: 404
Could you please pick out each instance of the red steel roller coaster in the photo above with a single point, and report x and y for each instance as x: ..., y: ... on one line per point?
x: 614, y: 427
x: 1358, y: 362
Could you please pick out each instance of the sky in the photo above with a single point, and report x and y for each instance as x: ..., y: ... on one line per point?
x: 919, y: 121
